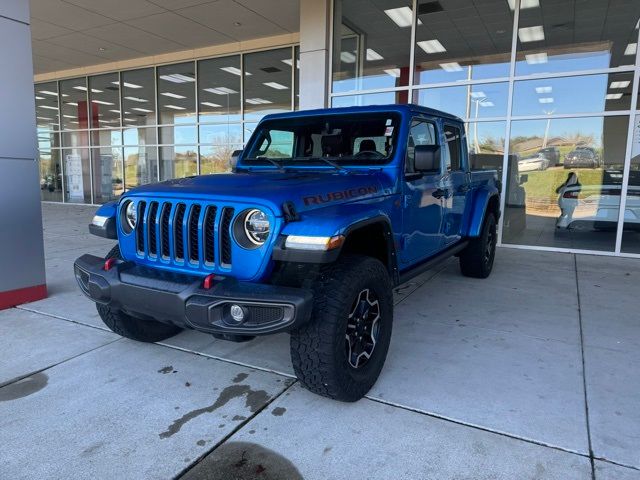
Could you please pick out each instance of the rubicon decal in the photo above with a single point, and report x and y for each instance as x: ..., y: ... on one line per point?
x: 339, y: 195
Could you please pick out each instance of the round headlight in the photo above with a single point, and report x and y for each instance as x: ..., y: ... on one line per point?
x: 131, y: 215
x: 257, y: 226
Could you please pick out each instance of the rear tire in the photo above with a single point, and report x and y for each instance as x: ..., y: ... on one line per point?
x: 340, y: 352
x: 477, y: 259
x: 131, y: 327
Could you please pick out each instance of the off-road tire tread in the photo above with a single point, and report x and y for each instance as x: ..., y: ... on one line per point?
x: 312, y: 345
x: 131, y: 327
x: 471, y: 258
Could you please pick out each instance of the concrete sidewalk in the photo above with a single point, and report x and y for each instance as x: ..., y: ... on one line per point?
x: 535, y: 375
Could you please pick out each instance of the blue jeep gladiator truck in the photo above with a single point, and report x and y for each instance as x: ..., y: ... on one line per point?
x: 325, y: 213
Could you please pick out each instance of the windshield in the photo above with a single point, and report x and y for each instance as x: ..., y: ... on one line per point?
x: 334, y: 140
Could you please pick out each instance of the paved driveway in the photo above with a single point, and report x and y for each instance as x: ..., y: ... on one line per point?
x: 533, y: 373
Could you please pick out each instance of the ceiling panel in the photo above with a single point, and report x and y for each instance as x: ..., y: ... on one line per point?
x: 107, y: 51
x: 148, y: 43
x: 80, y: 33
x: 284, y: 13
x: 66, y: 15
x: 41, y: 30
x: 181, y: 30
x: 119, y: 9
x: 224, y: 16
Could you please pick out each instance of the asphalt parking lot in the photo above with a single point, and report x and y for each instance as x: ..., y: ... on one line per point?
x: 531, y: 374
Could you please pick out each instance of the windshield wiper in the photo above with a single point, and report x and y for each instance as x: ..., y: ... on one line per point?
x: 331, y: 163
x: 273, y: 162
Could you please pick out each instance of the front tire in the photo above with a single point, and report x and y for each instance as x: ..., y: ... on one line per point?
x: 131, y: 327
x: 340, y: 352
x: 476, y: 260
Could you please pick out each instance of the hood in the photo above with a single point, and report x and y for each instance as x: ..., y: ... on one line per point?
x: 307, y: 190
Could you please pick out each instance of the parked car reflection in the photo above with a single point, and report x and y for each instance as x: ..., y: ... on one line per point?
x: 536, y: 162
x: 582, y: 157
x: 597, y: 206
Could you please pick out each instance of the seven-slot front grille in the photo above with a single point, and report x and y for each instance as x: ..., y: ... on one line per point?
x: 180, y: 233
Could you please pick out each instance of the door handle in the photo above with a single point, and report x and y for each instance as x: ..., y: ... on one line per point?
x: 440, y: 192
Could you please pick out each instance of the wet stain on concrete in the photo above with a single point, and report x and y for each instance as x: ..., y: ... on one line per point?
x: 165, y: 370
x: 187, y: 384
x: 240, y: 377
x: 326, y: 450
x: 201, y: 443
x: 23, y: 387
x: 243, y: 461
x: 237, y: 418
x: 252, y: 432
x: 278, y: 411
x: 254, y: 399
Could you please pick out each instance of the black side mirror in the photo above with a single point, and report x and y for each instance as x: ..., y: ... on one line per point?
x: 524, y: 178
x: 233, y: 161
x: 427, y: 158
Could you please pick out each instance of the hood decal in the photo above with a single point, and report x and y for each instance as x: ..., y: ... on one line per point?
x: 339, y: 195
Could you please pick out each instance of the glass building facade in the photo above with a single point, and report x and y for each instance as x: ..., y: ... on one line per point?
x: 101, y: 135
x: 548, y: 90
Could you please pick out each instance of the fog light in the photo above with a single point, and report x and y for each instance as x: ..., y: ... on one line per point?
x: 238, y: 313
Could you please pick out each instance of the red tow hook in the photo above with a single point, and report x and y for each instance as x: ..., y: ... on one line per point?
x: 208, y: 281
x: 109, y: 262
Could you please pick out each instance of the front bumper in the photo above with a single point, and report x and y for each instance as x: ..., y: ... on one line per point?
x: 181, y: 299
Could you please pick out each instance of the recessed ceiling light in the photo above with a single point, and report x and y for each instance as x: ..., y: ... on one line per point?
x: 44, y: 118
x: 394, y: 72
x: 546, y: 100
x: 48, y: 92
x: 128, y: 85
x: 177, y: 78
x: 524, y: 4
x: 372, y: 55
x: 451, y: 67
x: 613, y: 96
x: 276, y: 85
x: 478, y: 95
x: 534, y: 58
x: 102, y: 102
x: 288, y: 61
x: 84, y: 89
x: 631, y: 49
x: 175, y: 107
x: 71, y: 103
x: 137, y: 99
x: 39, y: 98
x: 138, y: 109
x: 486, y: 103
x: 172, y: 95
x: 347, y: 57
x: 47, y: 107
x: 234, y: 71
x: 69, y: 116
x: 210, y: 104
x: 401, y: 16
x: 220, y: 90
x: 531, y: 34
x: 257, y: 101
x: 546, y: 89
x: 431, y: 46
x: 622, y: 84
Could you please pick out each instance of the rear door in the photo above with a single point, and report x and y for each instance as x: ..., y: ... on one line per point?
x: 455, y: 181
x: 422, y: 209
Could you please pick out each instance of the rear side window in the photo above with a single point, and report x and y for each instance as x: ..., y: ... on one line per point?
x: 279, y: 144
x: 453, y: 150
x: 422, y: 132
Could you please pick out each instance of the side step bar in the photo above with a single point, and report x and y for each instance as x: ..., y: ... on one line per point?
x: 432, y: 262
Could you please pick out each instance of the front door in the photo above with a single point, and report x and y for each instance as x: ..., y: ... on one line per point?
x: 422, y: 196
x: 455, y: 183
